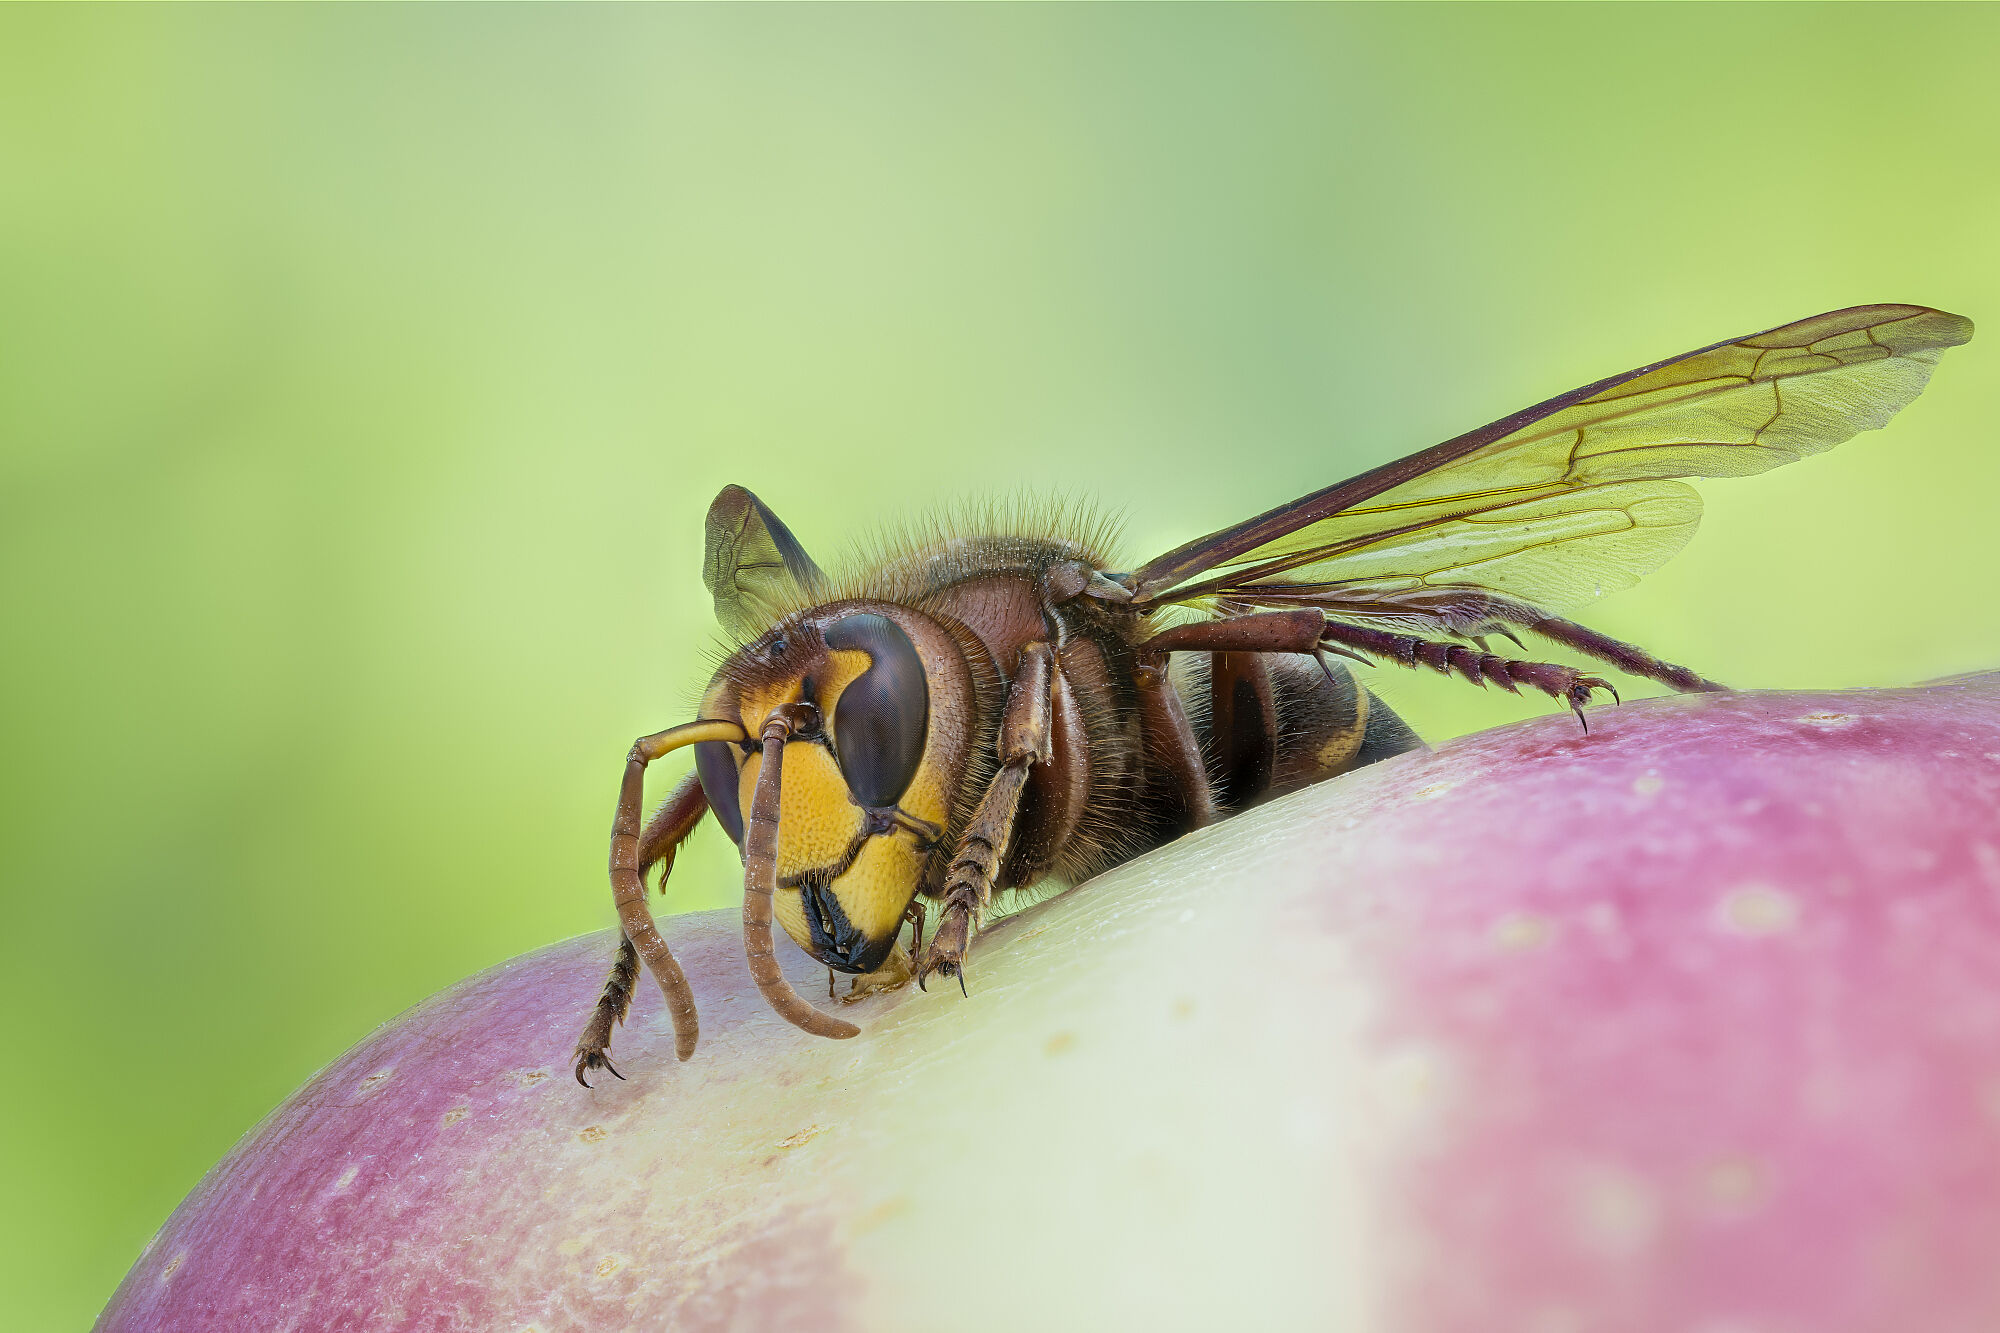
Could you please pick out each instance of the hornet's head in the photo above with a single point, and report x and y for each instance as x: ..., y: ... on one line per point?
x: 872, y: 706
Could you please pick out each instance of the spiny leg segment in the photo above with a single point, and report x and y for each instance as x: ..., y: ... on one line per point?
x: 593, y: 1048
x: 1308, y: 630
x: 1474, y: 613
x: 1627, y: 657
x: 1024, y: 741
x: 1562, y: 683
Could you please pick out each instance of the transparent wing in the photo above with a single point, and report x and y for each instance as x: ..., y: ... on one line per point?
x: 1559, y: 551
x: 1575, y: 496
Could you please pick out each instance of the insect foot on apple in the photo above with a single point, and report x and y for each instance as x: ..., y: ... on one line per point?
x: 1690, y: 1023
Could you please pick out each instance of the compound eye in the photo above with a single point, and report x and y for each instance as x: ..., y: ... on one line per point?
x: 880, y: 721
x: 717, y: 770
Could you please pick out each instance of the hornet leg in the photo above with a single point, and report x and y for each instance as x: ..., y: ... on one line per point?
x: 968, y: 885
x: 631, y: 853
x: 1563, y: 684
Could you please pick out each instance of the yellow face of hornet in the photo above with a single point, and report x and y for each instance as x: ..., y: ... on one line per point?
x: 865, y: 800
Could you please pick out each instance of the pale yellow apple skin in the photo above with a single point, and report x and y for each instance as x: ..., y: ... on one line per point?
x: 1689, y: 1024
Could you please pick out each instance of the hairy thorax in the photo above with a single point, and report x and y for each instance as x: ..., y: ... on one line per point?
x: 1078, y: 811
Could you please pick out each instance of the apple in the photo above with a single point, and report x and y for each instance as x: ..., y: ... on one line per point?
x: 1691, y: 1023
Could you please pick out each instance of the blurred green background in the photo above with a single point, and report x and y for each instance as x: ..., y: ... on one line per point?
x: 365, y: 374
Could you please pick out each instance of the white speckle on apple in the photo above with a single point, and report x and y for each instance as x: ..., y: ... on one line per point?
x: 1734, y: 1186
x: 1828, y: 719
x: 1758, y: 909
x: 1617, y: 1212
x: 1518, y: 932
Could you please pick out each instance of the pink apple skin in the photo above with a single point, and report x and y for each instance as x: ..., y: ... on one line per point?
x: 1689, y: 1025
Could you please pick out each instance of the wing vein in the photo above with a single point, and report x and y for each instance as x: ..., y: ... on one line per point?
x: 1521, y: 507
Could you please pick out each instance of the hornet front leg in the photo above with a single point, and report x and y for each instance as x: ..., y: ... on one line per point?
x: 1025, y: 740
